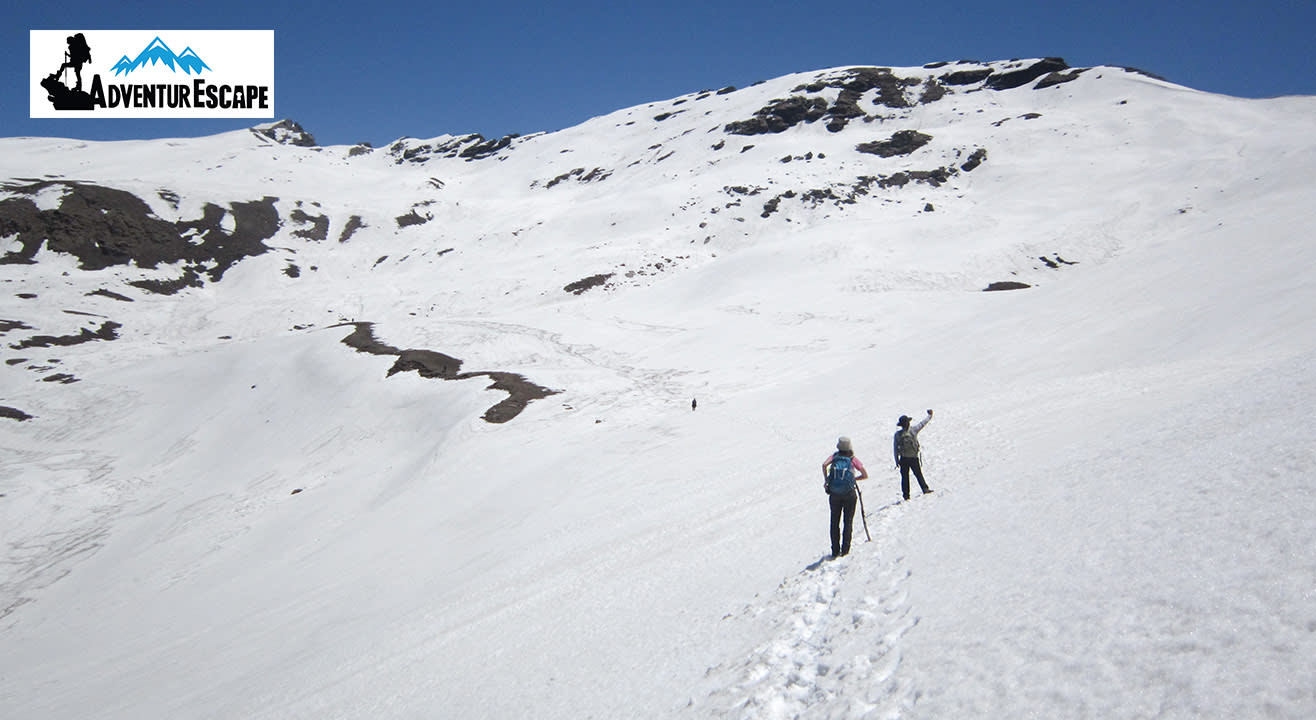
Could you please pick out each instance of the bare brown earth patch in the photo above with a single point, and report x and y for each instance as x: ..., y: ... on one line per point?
x: 13, y: 414
x: 580, y: 286
x: 431, y: 364
x: 1006, y: 285
x: 108, y: 331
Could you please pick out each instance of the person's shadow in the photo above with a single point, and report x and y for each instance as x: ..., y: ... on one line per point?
x: 818, y: 563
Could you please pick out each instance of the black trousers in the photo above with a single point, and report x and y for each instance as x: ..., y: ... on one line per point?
x: 842, y: 509
x: 907, y: 464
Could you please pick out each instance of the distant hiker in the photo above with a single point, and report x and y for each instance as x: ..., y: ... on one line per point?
x: 694, y: 404
x: 905, y: 447
x: 77, y: 55
x: 841, y: 472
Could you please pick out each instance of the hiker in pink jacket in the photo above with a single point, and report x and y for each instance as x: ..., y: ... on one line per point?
x: 841, y: 473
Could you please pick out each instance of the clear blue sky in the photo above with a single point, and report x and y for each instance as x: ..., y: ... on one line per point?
x: 376, y: 71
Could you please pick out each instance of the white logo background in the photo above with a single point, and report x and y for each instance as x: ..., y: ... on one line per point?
x: 235, y: 57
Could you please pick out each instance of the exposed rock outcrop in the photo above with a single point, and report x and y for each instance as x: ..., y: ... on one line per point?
x: 286, y: 132
x: 780, y: 116
x: 901, y: 143
x: 104, y: 227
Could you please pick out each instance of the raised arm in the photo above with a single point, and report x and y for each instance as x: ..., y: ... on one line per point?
x: 919, y: 425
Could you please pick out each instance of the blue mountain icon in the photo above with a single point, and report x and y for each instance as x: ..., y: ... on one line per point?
x: 158, y: 52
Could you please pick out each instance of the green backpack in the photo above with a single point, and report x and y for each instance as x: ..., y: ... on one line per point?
x: 908, y: 444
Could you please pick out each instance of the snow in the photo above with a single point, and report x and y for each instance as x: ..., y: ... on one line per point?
x: 232, y: 514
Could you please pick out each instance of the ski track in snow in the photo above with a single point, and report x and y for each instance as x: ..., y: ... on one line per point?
x: 834, y: 640
x: 56, y: 537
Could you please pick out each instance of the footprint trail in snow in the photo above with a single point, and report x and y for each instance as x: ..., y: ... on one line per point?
x: 833, y: 642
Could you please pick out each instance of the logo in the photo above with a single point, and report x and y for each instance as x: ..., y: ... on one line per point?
x: 158, y: 52
x: 149, y: 79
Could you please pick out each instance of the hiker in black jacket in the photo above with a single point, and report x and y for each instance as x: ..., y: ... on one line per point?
x: 905, y: 447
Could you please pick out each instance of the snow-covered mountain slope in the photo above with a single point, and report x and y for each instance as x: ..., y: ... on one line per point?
x: 334, y: 432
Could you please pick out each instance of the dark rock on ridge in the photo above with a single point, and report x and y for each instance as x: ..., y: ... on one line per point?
x: 468, y: 147
x: 1057, y: 78
x: 965, y: 77
x: 854, y: 82
x: 1023, y: 76
x: 780, y: 116
x: 487, y: 148
x: 901, y: 143
x: 286, y: 132
x: 1053, y: 68
x: 1144, y: 73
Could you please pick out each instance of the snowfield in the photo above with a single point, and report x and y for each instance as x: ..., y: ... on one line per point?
x: 211, y: 506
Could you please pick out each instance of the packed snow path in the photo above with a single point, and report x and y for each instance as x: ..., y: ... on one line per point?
x: 834, y: 649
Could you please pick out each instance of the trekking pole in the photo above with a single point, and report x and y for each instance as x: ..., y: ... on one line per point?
x: 862, y: 515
